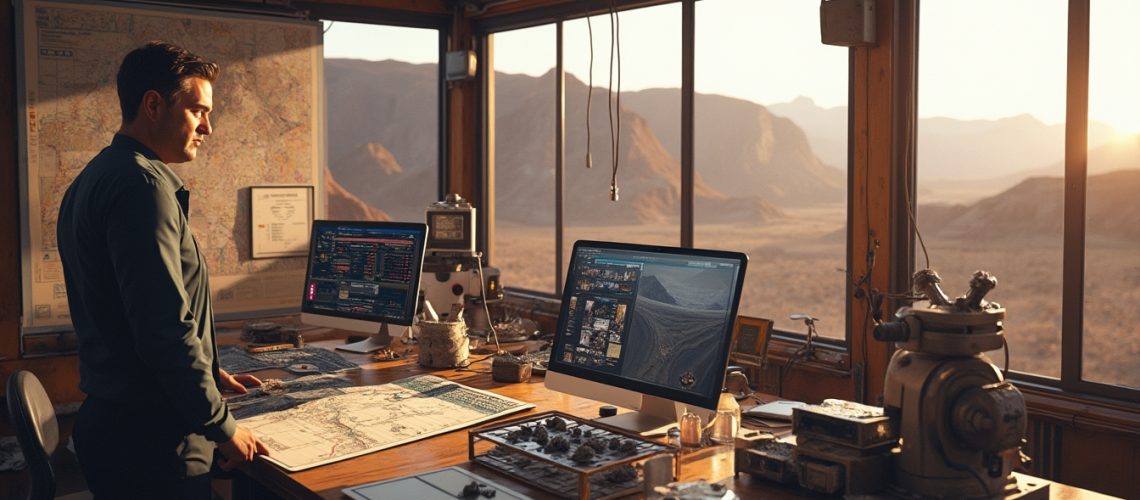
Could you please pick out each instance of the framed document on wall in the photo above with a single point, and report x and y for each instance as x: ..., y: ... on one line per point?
x: 280, y: 220
x: 750, y: 340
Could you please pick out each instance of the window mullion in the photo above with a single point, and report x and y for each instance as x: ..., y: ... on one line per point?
x: 688, y: 40
x: 1076, y: 167
x: 559, y: 156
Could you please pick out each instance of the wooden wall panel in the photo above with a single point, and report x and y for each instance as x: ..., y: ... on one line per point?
x: 421, y: 6
x: 1100, y: 461
x: 9, y: 193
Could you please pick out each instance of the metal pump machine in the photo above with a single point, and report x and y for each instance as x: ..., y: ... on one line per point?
x: 452, y: 273
x: 961, y: 423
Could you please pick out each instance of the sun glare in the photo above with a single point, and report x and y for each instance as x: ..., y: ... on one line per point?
x: 1113, y: 73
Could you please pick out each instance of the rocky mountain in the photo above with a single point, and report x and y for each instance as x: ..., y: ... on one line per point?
x: 958, y: 159
x: 1033, y: 210
x: 382, y: 149
x: 344, y: 205
x: 826, y: 128
x: 742, y: 149
x: 648, y: 173
x: 752, y: 161
x: 382, y: 143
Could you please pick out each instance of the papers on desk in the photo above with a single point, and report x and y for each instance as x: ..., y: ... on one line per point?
x: 772, y: 415
x: 360, y: 420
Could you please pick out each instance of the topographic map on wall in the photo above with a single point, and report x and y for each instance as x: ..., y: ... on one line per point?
x: 265, y: 120
x: 351, y: 421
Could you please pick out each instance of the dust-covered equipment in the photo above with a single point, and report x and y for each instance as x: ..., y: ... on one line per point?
x: 453, y: 276
x: 451, y: 227
x: 960, y: 422
x: 843, y: 447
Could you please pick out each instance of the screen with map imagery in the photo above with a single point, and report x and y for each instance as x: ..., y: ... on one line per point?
x: 650, y: 319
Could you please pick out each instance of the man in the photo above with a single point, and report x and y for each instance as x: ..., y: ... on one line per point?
x: 139, y: 295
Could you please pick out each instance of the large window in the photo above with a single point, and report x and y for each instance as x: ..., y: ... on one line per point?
x: 1001, y: 168
x: 382, y: 91
x: 646, y: 122
x: 524, y: 157
x: 770, y: 155
x: 1112, y: 212
x: 991, y: 149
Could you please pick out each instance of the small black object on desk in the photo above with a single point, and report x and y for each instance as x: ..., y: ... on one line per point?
x: 607, y: 411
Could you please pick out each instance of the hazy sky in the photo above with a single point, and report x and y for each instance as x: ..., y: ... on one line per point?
x: 980, y: 59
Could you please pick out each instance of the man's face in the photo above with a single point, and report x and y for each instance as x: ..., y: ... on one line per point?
x: 183, y: 125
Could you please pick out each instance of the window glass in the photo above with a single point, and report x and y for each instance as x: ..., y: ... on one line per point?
x: 991, y: 113
x: 1112, y: 227
x: 381, y: 86
x: 771, y: 156
x: 524, y: 157
x: 646, y: 124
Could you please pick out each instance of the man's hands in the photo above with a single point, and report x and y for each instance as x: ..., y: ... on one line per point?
x: 236, y: 383
x: 244, y: 446
x: 240, y: 449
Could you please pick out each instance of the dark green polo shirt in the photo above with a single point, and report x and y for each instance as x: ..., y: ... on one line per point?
x: 138, y: 289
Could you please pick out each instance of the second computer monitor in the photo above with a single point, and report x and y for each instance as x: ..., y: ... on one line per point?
x: 363, y: 275
x: 646, y: 327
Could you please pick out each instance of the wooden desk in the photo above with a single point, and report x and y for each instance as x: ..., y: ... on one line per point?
x: 445, y: 450
x: 450, y: 449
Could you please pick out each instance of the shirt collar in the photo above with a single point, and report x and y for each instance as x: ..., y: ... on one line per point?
x: 161, y: 168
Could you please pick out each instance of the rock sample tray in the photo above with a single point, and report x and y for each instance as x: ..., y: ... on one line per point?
x: 566, y: 455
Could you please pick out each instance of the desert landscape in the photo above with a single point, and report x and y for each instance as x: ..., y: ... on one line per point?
x: 804, y: 274
x: 770, y: 182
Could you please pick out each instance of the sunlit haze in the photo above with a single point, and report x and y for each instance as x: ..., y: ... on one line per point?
x: 983, y: 59
x: 980, y: 59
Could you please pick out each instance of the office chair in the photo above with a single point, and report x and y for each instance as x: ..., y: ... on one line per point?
x: 37, y: 431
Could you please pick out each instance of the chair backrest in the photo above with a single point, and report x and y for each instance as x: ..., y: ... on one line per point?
x: 36, y: 428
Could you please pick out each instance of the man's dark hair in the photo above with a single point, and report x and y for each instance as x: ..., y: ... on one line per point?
x: 162, y: 67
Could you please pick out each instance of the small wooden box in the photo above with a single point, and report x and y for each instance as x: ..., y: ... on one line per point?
x: 773, y: 461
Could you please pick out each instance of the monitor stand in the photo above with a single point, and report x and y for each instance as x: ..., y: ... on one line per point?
x: 654, y: 418
x: 375, y: 342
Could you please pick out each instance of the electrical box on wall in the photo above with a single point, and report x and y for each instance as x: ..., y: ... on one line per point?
x: 847, y: 23
x: 460, y: 65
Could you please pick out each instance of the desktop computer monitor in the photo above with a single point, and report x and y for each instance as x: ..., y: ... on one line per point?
x: 363, y: 275
x: 647, y: 328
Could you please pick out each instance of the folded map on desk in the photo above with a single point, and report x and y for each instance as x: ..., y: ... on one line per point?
x: 234, y: 359
x: 359, y: 420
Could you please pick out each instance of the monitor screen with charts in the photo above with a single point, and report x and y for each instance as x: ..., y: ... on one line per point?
x: 363, y: 275
x: 646, y: 327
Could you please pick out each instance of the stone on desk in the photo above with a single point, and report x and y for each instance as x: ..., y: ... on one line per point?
x: 510, y: 369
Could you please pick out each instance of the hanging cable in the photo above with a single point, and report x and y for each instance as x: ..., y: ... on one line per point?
x: 589, y: 91
x: 615, y: 136
x: 906, y: 180
x: 483, y: 297
x: 610, y: 93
